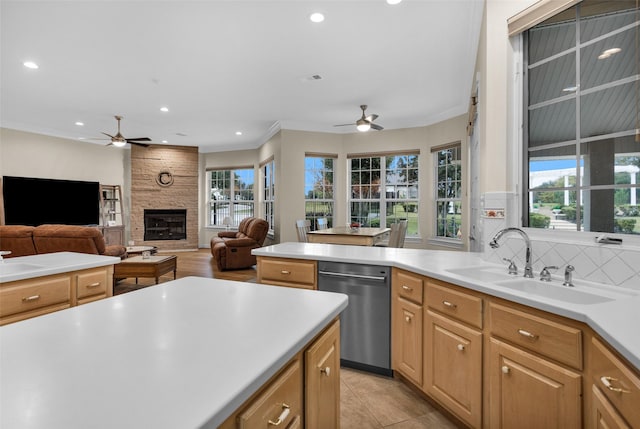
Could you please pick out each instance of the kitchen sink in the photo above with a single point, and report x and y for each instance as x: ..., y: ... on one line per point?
x: 483, y: 273
x: 9, y: 268
x: 578, y: 294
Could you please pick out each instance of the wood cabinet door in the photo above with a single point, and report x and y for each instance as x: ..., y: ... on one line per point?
x: 406, y: 339
x: 322, y: 377
x: 453, y: 366
x: 603, y: 414
x: 528, y: 392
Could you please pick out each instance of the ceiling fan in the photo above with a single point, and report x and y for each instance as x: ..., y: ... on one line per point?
x: 365, y: 122
x: 119, y: 140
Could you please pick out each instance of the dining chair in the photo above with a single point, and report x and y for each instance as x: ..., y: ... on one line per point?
x: 302, y: 227
x: 396, y: 236
x: 322, y: 223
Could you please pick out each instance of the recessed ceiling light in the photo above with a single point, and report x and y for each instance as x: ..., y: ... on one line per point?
x: 570, y: 89
x: 81, y: 138
x: 607, y: 53
x: 80, y: 124
x: 30, y: 65
x: 238, y: 133
x: 316, y: 17
x: 164, y: 109
x: 393, y: 1
x: 164, y: 141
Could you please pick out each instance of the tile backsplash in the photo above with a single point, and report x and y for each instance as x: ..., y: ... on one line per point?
x: 610, y: 264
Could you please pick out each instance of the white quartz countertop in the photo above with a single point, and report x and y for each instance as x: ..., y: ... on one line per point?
x: 182, y: 354
x: 617, y: 321
x: 46, y: 264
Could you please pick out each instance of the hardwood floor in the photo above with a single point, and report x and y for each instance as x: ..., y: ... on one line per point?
x: 368, y: 401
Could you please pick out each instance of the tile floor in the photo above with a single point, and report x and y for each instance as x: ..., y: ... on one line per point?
x: 371, y: 401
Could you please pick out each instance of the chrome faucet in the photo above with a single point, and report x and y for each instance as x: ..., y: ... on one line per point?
x: 567, y: 276
x: 528, y: 271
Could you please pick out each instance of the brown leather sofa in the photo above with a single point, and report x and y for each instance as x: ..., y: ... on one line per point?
x: 24, y: 240
x: 232, y: 250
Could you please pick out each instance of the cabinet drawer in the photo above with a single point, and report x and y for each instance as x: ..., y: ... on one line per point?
x: 554, y: 340
x: 288, y: 272
x: 91, y: 283
x: 30, y: 295
x: 617, y: 382
x: 409, y: 286
x: 279, y: 404
x: 460, y: 305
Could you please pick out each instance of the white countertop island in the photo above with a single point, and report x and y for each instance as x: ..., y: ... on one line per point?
x: 48, y: 264
x: 616, y: 321
x: 183, y: 354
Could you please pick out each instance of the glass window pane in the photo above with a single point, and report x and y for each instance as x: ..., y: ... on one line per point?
x: 563, y: 70
x: 545, y: 128
x: 552, y: 37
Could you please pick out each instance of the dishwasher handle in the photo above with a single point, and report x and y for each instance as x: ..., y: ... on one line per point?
x: 354, y: 276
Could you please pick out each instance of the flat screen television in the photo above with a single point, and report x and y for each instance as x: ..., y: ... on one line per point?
x: 34, y: 201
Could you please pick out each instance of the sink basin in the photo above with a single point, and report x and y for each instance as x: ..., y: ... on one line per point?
x: 483, y: 273
x: 8, y: 268
x: 574, y: 295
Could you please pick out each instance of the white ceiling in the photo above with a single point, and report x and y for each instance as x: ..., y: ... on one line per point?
x: 226, y: 66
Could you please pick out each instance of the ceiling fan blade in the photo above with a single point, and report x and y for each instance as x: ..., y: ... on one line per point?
x: 377, y: 127
x: 372, y: 117
x: 140, y: 139
x: 138, y: 144
x: 109, y: 135
x: 343, y: 125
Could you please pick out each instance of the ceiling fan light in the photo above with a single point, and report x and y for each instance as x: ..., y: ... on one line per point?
x: 362, y: 125
x: 119, y: 143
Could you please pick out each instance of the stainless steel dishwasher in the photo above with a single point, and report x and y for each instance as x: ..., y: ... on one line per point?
x: 365, y: 325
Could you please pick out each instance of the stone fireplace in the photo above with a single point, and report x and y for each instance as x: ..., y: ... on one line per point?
x: 164, y: 196
x: 165, y: 224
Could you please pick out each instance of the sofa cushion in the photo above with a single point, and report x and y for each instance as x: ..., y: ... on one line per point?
x: 18, y: 239
x: 68, y: 238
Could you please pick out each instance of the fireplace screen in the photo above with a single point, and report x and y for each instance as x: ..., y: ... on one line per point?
x: 165, y: 225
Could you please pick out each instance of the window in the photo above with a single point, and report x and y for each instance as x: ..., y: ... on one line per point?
x: 581, y: 96
x: 448, y: 170
x: 230, y: 196
x: 318, y: 188
x: 269, y: 195
x: 384, y: 190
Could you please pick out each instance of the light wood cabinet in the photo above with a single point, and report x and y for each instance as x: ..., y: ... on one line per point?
x: 453, y: 366
x: 322, y: 381
x: 603, y: 414
x: 92, y: 285
x: 615, y: 389
x: 23, y: 299
x: 287, y: 272
x: 527, y: 391
x: 279, y: 404
x: 306, y: 393
x: 407, y: 325
x: 538, y: 333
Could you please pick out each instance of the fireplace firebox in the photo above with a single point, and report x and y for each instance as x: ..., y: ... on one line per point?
x: 165, y: 224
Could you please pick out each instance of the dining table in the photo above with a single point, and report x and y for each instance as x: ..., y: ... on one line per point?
x: 362, y: 236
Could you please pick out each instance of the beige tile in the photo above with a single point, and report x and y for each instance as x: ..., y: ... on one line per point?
x: 363, y: 382
x: 353, y: 413
x: 395, y: 404
x: 433, y: 420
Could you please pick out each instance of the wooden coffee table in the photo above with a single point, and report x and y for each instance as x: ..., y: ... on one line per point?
x: 137, y: 266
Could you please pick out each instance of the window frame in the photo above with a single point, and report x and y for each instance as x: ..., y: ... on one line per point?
x: 267, y: 172
x: 233, y: 176
x: 382, y: 199
x: 575, y: 145
x: 457, y: 200
x: 331, y: 202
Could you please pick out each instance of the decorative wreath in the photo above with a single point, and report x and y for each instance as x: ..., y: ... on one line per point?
x: 165, y: 178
